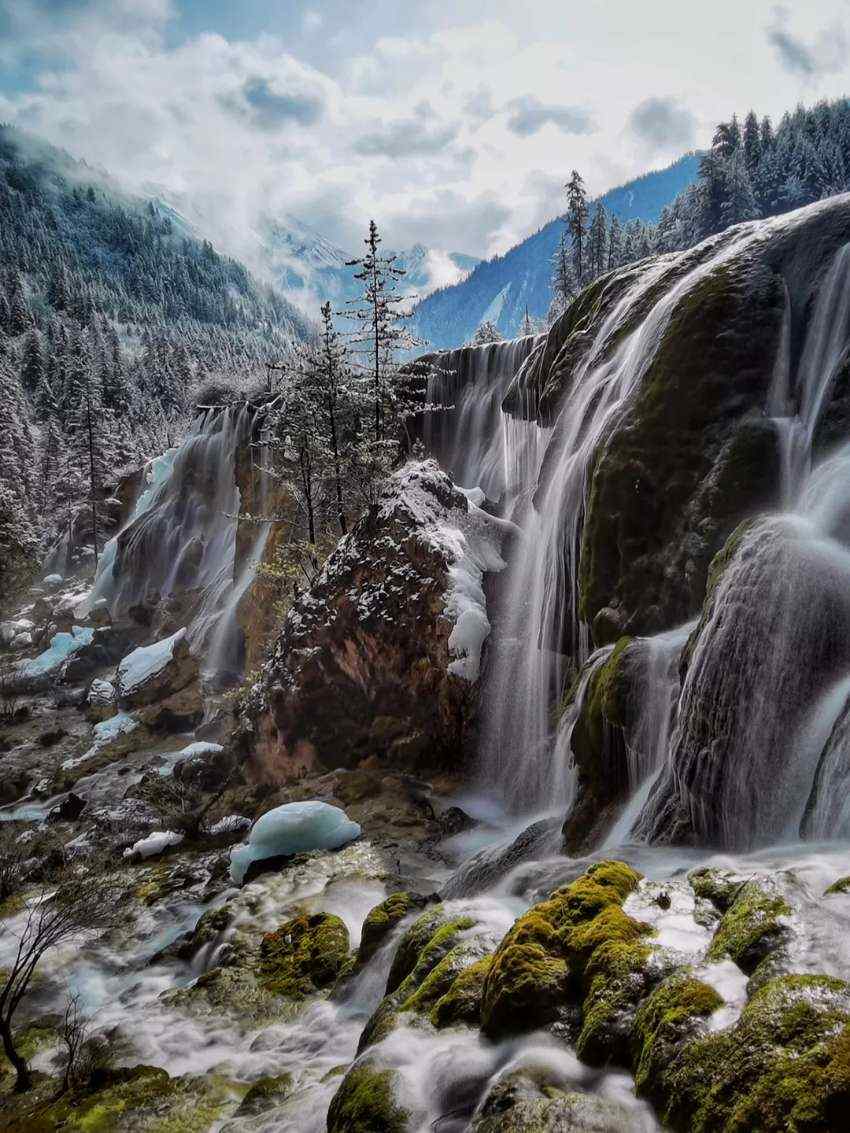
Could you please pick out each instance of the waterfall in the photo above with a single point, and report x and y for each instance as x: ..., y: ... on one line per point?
x: 648, y: 742
x: 177, y: 554
x: 540, y: 629
x: 467, y: 436
x: 754, y: 716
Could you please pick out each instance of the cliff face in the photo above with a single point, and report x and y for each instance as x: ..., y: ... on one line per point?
x: 381, y: 658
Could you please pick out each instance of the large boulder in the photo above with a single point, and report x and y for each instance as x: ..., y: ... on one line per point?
x: 161, y: 679
x: 381, y: 656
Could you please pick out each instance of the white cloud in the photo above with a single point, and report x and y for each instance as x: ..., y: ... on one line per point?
x: 456, y: 132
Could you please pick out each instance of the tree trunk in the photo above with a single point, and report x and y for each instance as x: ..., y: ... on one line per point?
x: 23, y: 1079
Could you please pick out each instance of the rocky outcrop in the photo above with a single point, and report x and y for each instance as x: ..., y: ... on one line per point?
x: 690, y: 454
x: 380, y: 658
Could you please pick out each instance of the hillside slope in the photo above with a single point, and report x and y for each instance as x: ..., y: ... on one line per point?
x: 500, y: 289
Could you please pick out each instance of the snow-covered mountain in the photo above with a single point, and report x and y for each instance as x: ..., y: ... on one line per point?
x: 500, y: 290
x: 312, y: 269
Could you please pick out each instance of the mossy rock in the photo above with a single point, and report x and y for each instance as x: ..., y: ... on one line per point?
x: 305, y: 955
x: 519, y: 1103
x: 430, y: 955
x: 265, y: 1094
x: 461, y: 1003
x: 598, y: 742
x: 29, y: 1040
x: 785, y: 1065
x: 139, y: 1099
x: 719, y: 886
x: 842, y: 885
x: 664, y: 1022
x: 365, y: 1103
x: 538, y: 969
x: 689, y: 456
x: 381, y: 920
x: 750, y: 929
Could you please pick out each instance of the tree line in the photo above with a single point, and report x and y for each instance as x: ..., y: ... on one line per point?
x: 751, y: 170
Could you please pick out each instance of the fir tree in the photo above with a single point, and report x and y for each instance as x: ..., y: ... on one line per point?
x: 577, y: 222
x: 381, y: 335
x: 32, y: 362
x: 486, y: 332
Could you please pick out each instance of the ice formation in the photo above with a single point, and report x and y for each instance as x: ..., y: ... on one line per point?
x: 62, y: 645
x: 155, y: 843
x: 293, y: 828
x: 147, y: 660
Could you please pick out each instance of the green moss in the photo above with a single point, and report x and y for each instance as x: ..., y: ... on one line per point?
x: 11, y: 905
x: 382, y: 920
x: 784, y: 1066
x: 412, y: 943
x: 719, y: 886
x: 614, y: 981
x: 264, y: 1094
x: 140, y: 1099
x: 461, y: 1003
x: 305, y: 955
x: 840, y: 886
x: 539, y: 967
x: 431, y: 955
x: 365, y: 1103
x: 523, y: 989
x: 683, y: 463
x: 750, y: 928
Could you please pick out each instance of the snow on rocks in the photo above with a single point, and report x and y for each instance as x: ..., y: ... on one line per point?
x: 230, y: 824
x: 153, y: 844
x: 195, y: 750
x: 161, y: 678
x: 110, y: 737
x: 293, y: 828
x: 100, y: 698
x: 146, y: 662
x: 470, y: 549
x: 62, y: 646
x: 397, y: 618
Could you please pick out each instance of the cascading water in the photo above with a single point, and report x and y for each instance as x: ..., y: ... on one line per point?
x: 765, y: 682
x: 179, y: 548
x: 467, y: 436
x: 540, y: 624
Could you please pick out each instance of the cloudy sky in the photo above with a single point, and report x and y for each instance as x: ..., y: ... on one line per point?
x: 452, y: 123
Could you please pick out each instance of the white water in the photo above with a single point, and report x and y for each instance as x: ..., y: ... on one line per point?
x: 770, y: 671
x: 179, y: 546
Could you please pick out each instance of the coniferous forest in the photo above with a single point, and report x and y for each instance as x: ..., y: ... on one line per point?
x: 112, y: 314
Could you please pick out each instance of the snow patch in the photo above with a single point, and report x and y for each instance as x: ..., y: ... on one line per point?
x: 62, y: 646
x: 155, y: 843
x: 146, y: 661
x: 470, y: 546
x: 105, y: 733
x: 293, y: 828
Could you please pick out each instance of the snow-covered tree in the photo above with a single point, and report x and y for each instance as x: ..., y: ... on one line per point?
x: 486, y: 332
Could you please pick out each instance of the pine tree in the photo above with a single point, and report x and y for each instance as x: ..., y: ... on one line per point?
x: 615, y: 243
x: 85, y: 408
x: 739, y: 200
x: 32, y: 362
x: 380, y: 336
x: 485, y: 333
x: 577, y: 222
x: 752, y: 142
x: 598, y: 241
x: 563, y: 277
x: 20, y: 319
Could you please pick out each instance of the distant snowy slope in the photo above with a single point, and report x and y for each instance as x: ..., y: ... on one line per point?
x: 500, y: 289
